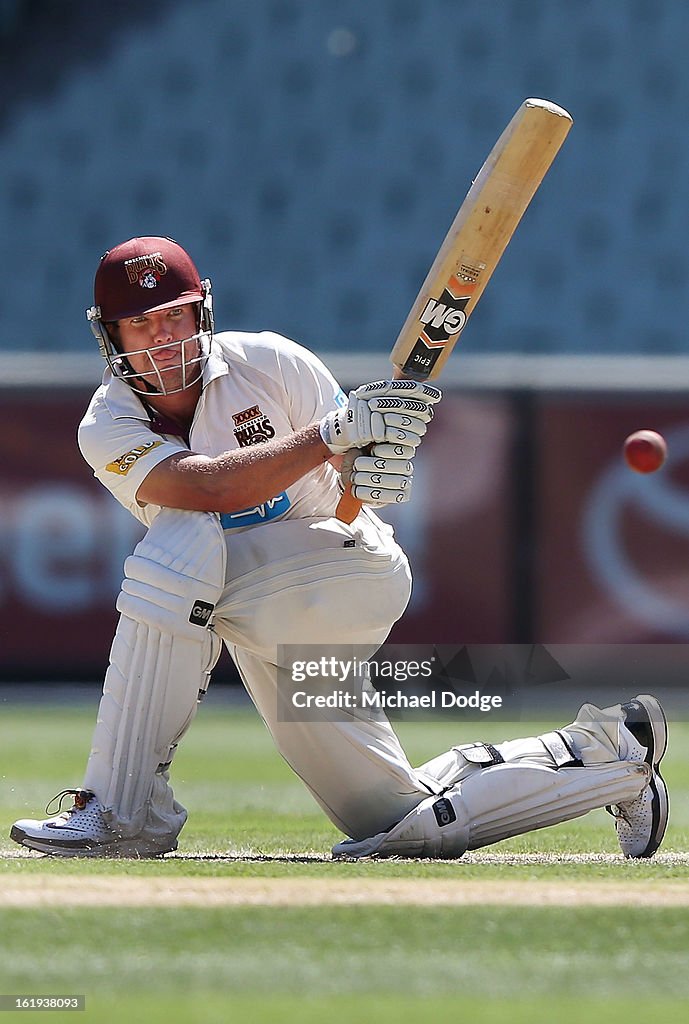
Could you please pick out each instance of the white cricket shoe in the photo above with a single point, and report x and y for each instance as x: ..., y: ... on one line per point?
x: 81, y: 831
x: 641, y: 823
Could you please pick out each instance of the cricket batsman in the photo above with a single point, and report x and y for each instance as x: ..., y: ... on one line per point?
x: 228, y: 447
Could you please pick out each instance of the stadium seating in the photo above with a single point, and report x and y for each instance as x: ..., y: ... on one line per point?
x: 312, y: 155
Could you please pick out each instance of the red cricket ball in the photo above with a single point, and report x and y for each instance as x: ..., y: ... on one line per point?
x: 645, y: 451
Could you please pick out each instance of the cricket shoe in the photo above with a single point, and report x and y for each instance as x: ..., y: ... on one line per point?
x: 82, y: 831
x: 641, y: 823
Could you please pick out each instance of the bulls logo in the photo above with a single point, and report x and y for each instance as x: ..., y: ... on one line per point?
x: 146, y: 270
x: 251, y: 426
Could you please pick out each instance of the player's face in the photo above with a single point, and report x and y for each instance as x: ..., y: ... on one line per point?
x: 151, y: 342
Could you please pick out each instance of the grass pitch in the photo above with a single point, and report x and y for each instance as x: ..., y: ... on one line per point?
x: 252, y: 921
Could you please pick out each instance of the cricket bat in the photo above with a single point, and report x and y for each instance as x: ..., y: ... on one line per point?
x: 473, y: 246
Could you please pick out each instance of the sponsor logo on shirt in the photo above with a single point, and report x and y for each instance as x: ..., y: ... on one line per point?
x: 125, y: 462
x: 251, y: 426
x: 263, y: 513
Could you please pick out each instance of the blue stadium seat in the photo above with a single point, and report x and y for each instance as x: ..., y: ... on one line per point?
x: 311, y: 157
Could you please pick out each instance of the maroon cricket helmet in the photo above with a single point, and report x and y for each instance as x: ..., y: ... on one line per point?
x: 144, y: 275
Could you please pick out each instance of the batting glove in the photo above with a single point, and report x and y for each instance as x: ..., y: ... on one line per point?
x: 395, y: 412
x: 383, y: 476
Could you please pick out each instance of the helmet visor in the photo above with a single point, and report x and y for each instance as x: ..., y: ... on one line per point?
x: 164, y: 369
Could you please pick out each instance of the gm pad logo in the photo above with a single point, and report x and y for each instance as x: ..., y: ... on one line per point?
x: 444, y: 812
x: 201, y: 613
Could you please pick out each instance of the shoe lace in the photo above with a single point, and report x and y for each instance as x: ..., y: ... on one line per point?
x: 617, y: 812
x: 80, y: 798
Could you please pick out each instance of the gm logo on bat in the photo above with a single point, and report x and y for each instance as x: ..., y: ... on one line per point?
x: 441, y: 320
x: 441, y: 316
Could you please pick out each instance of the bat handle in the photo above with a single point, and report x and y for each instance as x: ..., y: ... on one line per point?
x: 348, y: 507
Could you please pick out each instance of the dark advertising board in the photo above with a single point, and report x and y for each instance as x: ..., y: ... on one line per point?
x: 612, y: 556
x: 557, y: 542
x: 63, y: 539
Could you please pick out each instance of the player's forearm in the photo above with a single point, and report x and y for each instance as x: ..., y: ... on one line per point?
x: 237, y: 479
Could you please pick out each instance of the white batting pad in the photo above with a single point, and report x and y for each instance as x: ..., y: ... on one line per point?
x: 511, y: 799
x: 499, y: 802
x: 432, y: 829
x: 160, y: 665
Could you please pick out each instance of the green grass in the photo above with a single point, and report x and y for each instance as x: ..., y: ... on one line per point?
x: 243, y: 798
x: 233, y: 960
x: 335, y: 963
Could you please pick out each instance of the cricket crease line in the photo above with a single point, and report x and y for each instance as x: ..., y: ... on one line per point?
x: 126, y: 891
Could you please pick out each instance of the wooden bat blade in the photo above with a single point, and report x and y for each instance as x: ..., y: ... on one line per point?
x: 474, y: 245
x: 478, y: 237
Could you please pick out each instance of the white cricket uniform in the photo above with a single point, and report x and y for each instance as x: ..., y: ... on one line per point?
x: 295, y: 574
